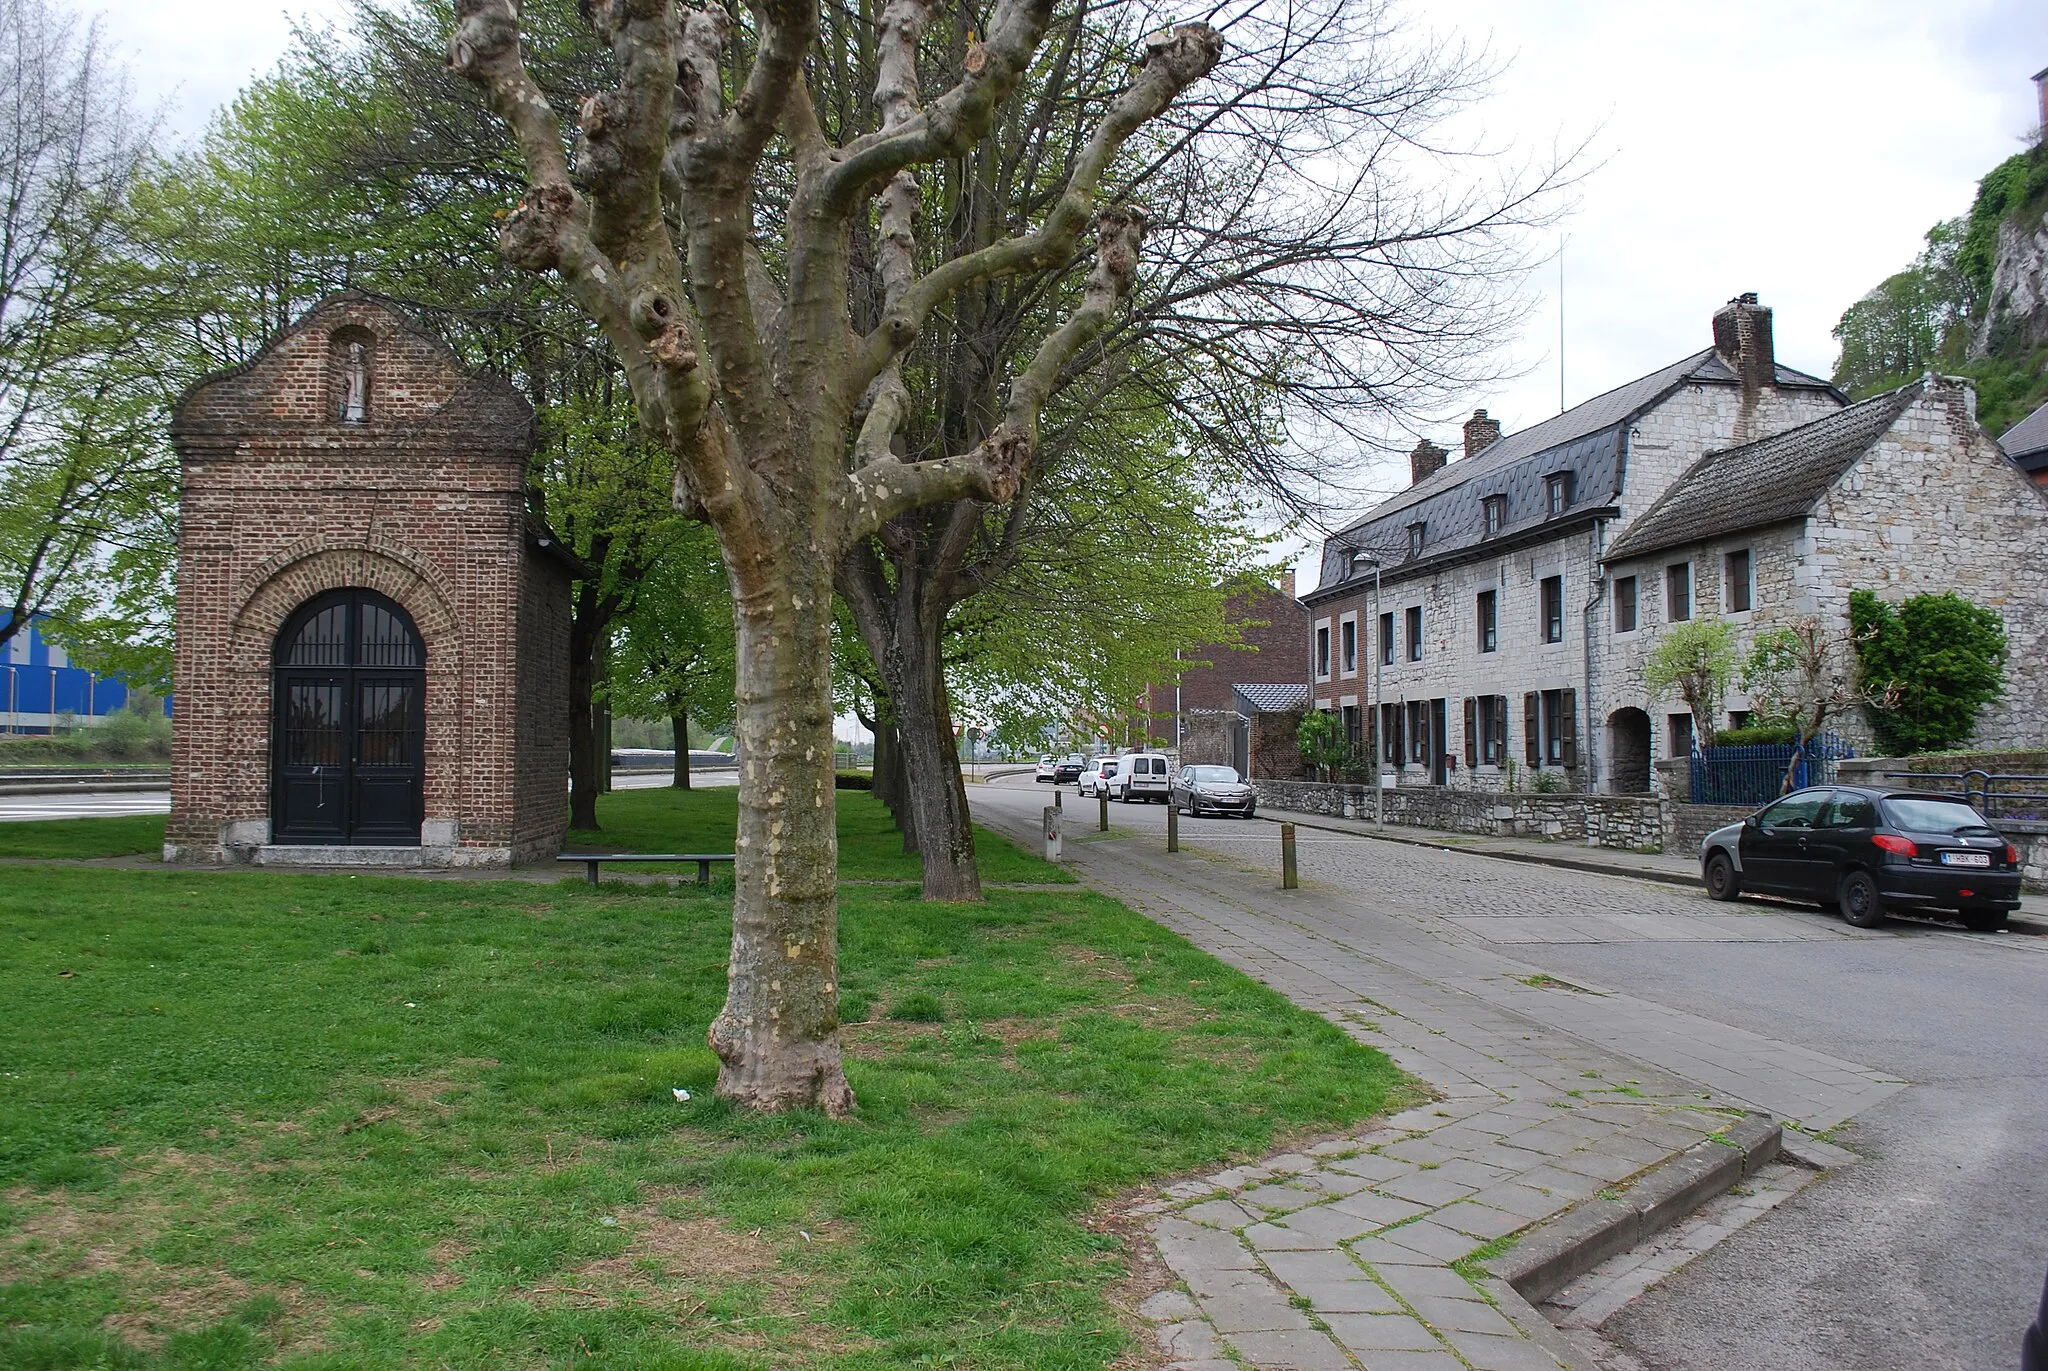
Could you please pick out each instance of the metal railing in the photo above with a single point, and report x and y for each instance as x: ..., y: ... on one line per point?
x: 1995, y: 795
x: 1756, y: 774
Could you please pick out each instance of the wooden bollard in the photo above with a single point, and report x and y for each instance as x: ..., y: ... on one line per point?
x: 1172, y: 825
x: 1287, y: 879
x: 1102, y: 800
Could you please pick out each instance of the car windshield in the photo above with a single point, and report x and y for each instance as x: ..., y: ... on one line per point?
x: 1932, y: 813
x: 1212, y: 775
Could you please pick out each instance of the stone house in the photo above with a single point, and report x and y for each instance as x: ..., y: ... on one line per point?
x: 1522, y: 588
x: 1472, y: 605
x: 372, y: 631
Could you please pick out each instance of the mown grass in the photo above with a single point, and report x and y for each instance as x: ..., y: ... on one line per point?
x: 118, y: 836
x: 328, y: 1122
x: 870, y: 849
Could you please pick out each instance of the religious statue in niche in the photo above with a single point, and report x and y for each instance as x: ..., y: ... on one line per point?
x: 355, y: 382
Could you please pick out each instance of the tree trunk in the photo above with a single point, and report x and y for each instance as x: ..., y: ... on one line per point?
x: 778, y: 1035
x: 888, y: 772
x: 583, y: 779
x: 935, y: 791
x: 679, y: 725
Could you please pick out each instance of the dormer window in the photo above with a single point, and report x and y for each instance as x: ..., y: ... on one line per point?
x: 1415, y: 538
x: 1496, y: 511
x: 1557, y: 492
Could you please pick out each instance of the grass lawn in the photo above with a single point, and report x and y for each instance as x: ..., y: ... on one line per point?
x: 115, y: 837
x: 664, y: 820
x: 356, y: 1122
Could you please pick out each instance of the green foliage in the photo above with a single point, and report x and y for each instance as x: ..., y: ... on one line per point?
x: 853, y: 780
x: 1696, y: 659
x: 1900, y: 330
x: 1549, y: 783
x: 70, y: 839
x: 2017, y: 186
x: 1945, y: 657
x: 1321, y: 738
x: 1756, y: 735
x: 675, y: 653
x: 427, y: 1117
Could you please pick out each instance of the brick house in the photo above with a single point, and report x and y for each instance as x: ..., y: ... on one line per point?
x: 1202, y: 715
x: 372, y: 632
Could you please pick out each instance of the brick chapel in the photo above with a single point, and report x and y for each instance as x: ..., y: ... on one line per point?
x: 372, y: 631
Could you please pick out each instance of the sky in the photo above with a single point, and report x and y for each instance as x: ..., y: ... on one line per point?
x: 1796, y: 148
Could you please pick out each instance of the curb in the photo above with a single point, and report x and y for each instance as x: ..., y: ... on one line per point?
x: 1559, y: 1251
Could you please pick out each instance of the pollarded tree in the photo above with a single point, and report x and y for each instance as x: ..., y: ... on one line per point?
x: 731, y: 318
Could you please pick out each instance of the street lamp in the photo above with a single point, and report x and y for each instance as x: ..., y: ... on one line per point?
x: 1359, y: 560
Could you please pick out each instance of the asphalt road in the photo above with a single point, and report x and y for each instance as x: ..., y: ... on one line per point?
x: 1927, y: 1254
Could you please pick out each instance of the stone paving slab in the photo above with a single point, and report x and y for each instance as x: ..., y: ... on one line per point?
x: 1369, y: 1251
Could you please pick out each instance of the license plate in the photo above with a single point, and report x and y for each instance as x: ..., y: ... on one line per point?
x: 1966, y: 859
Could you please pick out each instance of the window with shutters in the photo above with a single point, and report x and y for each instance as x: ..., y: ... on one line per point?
x: 1553, y: 609
x: 1485, y: 730
x: 1418, y: 732
x: 1559, y: 723
x: 1415, y: 633
x: 1625, y: 604
x: 1489, y: 620
x: 1390, y: 734
x: 1678, y: 592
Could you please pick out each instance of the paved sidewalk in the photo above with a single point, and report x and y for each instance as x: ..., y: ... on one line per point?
x: 1371, y: 1251
x: 1668, y: 868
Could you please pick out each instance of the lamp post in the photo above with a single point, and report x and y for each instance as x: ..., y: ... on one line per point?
x: 1359, y: 560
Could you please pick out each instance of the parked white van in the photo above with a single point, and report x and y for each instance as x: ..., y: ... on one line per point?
x: 1140, y: 776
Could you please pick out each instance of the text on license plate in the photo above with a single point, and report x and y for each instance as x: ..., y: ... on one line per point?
x: 1966, y: 859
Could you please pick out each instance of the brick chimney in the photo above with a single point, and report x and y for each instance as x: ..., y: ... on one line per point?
x: 1287, y: 582
x: 1480, y: 433
x: 1426, y: 461
x: 1742, y: 335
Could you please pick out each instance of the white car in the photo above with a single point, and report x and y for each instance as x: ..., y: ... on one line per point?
x: 1045, y: 769
x: 1140, y: 776
x: 1094, y: 775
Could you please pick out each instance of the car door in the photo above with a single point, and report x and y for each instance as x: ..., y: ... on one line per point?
x: 1777, y: 848
x: 1842, y: 832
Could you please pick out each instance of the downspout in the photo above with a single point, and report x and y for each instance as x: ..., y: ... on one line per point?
x: 1590, y: 753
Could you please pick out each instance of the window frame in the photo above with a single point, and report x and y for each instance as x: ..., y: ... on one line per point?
x: 1550, y: 608
x: 1746, y: 584
x: 1632, y: 598
x: 1486, y: 610
x: 1557, y: 493
x: 1493, y: 513
x: 1413, y: 626
x: 1322, y: 650
x: 1386, y: 639
x: 1347, y: 645
x: 1418, y: 537
x: 1674, y: 572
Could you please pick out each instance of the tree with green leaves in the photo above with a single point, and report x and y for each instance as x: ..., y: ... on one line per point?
x: 1938, y: 659
x: 1324, y: 748
x: 1697, y: 660
x: 1802, y: 674
x: 674, y: 658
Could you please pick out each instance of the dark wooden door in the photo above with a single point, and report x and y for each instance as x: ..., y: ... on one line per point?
x: 350, y: 734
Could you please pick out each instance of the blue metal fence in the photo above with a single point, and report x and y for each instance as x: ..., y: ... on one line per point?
x: 1756, y: 775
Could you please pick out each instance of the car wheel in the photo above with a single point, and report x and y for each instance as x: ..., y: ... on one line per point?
x: 1861, y: 904
x: 1983, y: 920
x: 1723, y: 883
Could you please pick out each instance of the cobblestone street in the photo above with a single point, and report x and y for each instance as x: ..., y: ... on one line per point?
x: 1370, y: 1251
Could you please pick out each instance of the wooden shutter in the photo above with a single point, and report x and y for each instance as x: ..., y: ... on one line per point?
x: 1532, y: 732
x: 1500, y: 729
x: 1471, y: 732
x: 1400, y: 735
x: 1568, y: 726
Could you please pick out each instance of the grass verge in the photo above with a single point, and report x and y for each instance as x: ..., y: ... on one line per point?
x: 332, y: 1121
x: 120, y: 836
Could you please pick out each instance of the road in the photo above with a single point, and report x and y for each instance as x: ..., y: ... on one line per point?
x: 1927, y: 1254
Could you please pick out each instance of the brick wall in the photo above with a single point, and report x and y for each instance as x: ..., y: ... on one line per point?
x: 1274, y: 631
x: 423, y: 502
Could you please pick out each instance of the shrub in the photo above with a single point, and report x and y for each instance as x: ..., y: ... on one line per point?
x: 1549, y: 783
x: 1942, y: 656
x: 852, y: 780
x: 1756, y: 735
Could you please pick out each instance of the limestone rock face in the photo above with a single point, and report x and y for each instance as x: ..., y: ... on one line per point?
x: 2018, y: 315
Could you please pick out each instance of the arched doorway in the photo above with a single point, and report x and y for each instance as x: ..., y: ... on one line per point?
x: 1628, y: 750
x: 349, y: 732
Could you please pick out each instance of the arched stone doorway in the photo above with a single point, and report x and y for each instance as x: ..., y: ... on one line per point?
x: 1628, y: 750
x: 348, y: 740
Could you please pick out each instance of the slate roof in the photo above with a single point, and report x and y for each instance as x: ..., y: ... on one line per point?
x: 1584, y: 440
x: 1770, y: 481
x: 1269, y: 698
x: 2028, y: 438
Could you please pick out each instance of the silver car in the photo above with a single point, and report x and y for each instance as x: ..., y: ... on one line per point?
x: 1211, y: 790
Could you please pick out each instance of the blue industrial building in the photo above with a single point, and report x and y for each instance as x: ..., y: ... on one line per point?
x: 39, y: 686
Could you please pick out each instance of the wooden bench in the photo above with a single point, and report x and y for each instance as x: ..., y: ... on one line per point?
x: 591, y: 860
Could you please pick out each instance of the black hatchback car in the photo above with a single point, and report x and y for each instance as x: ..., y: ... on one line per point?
x: 1865, y: 851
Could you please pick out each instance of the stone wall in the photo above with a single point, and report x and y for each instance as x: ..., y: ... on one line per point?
x: 1690, y: 823
x: 1636, y: 823
x: 1205, y: 737
x: 1276, y: 746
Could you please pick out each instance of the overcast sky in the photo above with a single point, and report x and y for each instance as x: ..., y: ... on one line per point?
x: 1796, y: 148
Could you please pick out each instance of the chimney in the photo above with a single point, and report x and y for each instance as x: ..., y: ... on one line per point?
x: 1426, y: 461
x: 1742, y: 335
x: 1287, y: 583
x: 1480, y: 433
